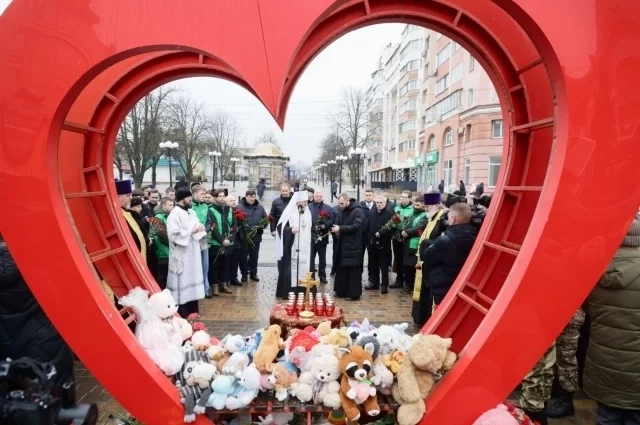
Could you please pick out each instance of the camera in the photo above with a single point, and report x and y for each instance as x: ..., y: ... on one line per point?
x: 31, y: 394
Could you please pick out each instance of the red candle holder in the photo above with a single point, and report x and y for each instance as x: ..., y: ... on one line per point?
x: 329, y: 309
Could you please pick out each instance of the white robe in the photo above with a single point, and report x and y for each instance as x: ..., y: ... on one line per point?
x: 185, y: 264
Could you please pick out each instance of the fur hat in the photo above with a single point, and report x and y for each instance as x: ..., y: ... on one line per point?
x: 123, y: 187
x: 632, y: 237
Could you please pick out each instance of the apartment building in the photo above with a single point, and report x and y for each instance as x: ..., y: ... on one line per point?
x: 439, y: 116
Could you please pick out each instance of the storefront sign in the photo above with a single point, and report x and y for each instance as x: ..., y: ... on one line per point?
x: 432, y: 157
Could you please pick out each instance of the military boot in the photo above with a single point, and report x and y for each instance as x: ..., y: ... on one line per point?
x: 562, y: 408
x: 224, y: 288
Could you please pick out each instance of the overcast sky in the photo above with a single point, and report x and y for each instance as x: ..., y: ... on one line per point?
x: 348, y: 61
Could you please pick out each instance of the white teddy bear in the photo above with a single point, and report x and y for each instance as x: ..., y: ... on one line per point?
x: 322, y: 381
x: 165, y: 307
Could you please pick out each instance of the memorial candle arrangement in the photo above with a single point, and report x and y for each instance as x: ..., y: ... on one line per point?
x: 320, y: 304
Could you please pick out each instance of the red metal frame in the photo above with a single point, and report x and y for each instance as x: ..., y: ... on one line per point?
x: 71, y: 69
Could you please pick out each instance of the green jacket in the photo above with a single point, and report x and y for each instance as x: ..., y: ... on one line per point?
x: 404, y: 211
x: 161, y: 240
x: 219, y: 227
x: 612, y: 370
x: 202, y: 211
x: 415, y: 223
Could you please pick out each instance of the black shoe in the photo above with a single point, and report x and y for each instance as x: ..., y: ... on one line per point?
x: 538, y: 417
x: 236, y: 283
x: 352, y: 299
x: 371, y: 286
x: 384, y: 290
x: 562, y: 408
x: 333, y: 273
x: 243, y: 279
x: 323, y: 280
x: 254, y: 278
x: 396, y: 285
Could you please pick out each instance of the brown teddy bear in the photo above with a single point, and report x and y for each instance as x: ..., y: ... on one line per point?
x: 282, y: 379
x: 268, y: 349
x: 428, y: 356
x: 356, y: 387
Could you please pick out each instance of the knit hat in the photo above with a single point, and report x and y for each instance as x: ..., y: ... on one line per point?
x: 633, y: 234
x: 182, y: 193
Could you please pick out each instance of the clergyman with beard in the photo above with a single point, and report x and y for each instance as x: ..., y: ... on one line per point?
x: 186, y: 235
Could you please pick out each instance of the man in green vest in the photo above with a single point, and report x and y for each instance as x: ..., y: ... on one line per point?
x: 202, y: 211
x: 404, y: 210
x: 161, y: 242
x: 414, y: 228
x: 223, y: 232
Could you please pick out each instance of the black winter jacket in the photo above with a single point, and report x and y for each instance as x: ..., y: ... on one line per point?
x: 277, y: 208
x: 350, y: 243
x: 25, y: 330
x: 376, y: 220
x: 255, y: 213
x: 444, y: 259
x: 315, y: 209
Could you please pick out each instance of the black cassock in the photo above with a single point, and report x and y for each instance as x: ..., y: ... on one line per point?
x: 285, y: 268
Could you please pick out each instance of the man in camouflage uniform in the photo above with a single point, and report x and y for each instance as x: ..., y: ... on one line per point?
x: 567, y: 367
x: 536, y: 386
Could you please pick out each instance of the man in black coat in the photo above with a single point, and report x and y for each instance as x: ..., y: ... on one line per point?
x: 278, y: 206
x: 318, y: 231
x: 348, y: 282
x: 444, y: 259
x: 25, y: 330
x: 334, y: 240
x: 249, y: 254
x: 379, y: 244
x: 367, y: 205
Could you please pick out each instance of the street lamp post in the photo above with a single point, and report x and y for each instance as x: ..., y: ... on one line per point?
x: 323, y: 167
x: 167, y: 148
x: 213, y: 155
x: 331, y: 163
x: 357, y: 154
x: 234, y: 161
x: 341, y: 159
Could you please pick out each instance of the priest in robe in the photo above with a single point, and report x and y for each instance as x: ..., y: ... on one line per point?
x: 186, y: 241
x: 293, y: 244
x: 124, y: 191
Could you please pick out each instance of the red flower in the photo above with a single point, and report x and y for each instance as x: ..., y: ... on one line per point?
x: 271, y: 218
x: 420, y: 232
x: 234, y: 229
x: 396, y: 219
x: 323, y: 214
x: 240, y: 215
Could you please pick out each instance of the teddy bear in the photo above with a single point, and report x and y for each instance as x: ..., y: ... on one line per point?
x: 247, y: 388
x: 200, y: 341
x: 382, y: 377
x: 267, y: 351
x: 321, y: 383
x: 230, y: 344
x: 405, y: 341
x: 193, y: 383
x: 281, y: 379
x: 337, y: 337
x: 222, y: 386
x: 389, y: 338
x: 393, y: 361
x: 429, y: 355
x: 355, y: 387
x: 166, y: 308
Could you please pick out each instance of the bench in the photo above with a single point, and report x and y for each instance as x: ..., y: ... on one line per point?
x: 266, y: 403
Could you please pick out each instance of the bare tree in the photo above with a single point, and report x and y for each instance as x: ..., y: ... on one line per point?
x: 225, y: 137
x: 189, y: 124
x: 353, y: 123
x: 267, y: 137
x: 119, y: 156
x: 140, y: 134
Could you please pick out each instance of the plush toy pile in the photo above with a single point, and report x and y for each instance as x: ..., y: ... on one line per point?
x: 338, y: 368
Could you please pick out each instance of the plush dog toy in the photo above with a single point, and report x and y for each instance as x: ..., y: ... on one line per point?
x: 267, y: 351
x: 355, y: 387
x: 282, y: 379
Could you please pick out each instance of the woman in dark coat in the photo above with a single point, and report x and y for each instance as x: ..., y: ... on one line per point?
x: 25, y: 330
x: 463, y: 189
x: 348, y: 283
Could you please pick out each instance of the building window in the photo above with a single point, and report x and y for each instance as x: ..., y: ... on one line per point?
x: 470, y: 98
x: 472, y: 63
x: 442, y: 84
x: 409, y: 125
x: 456, y: 46
x: 432, y: 143
x: 448, y: 175
x: 408, y: 106
x: 448, y: 138
x: 444, y: 54
x: 494, y: 169
x: 456, y: 73
x: 401, y: 147
x: 496, y: 129
x: 447, y: 104
x: 410, y: 85
x: 467, y: 133
x: 431, y: 175
x: 377, y: 157
x: 467, y: 170
x: 411, y: 46
x: 410, y: 144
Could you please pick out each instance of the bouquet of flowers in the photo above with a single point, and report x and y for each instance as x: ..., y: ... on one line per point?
x: 392, y: 225
x: 323, y: 217
x: 262, y: 224
x: 156, y: 226
x: 401, y: 226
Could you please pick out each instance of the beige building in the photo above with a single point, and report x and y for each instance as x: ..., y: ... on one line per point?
x: 439, y: 116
